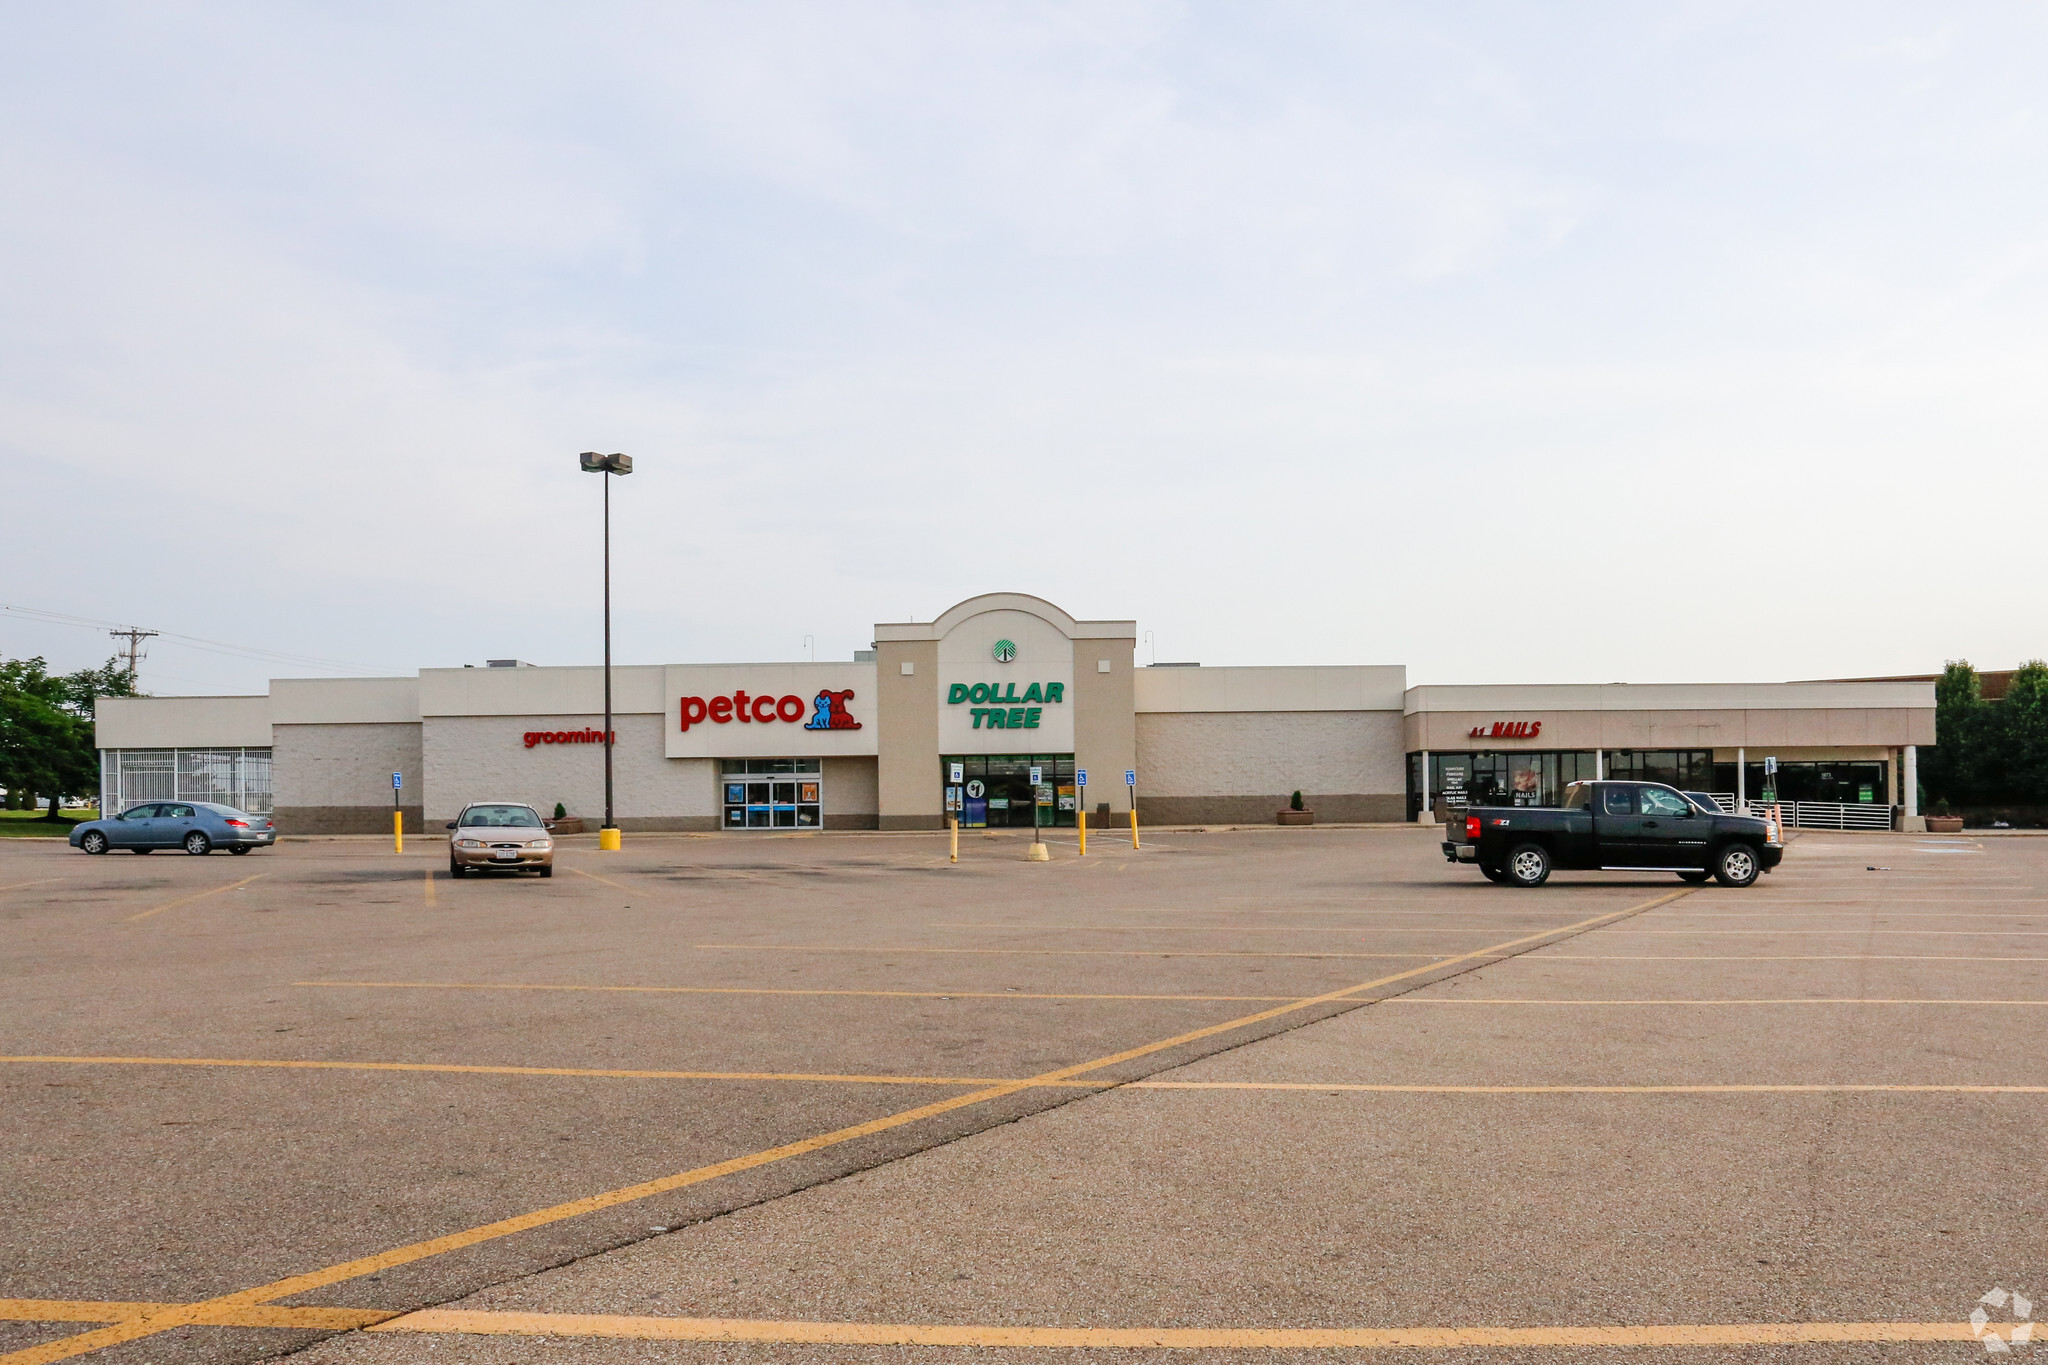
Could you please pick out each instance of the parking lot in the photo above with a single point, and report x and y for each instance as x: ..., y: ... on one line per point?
x: 1234, y: 1095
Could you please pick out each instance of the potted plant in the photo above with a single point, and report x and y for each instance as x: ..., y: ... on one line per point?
x: 1939, y: 821
x: 565, y: 823
x: 1296, y: 813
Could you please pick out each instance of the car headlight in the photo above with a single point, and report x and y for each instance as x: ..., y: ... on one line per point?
x: 469, y: 843
x: 539, y: 843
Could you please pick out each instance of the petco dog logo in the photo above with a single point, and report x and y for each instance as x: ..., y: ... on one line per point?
x: 830, y: 714
x: 2020, y: 1334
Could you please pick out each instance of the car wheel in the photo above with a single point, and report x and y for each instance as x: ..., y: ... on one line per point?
x: 1528, y: 865
x: 1492, y: 873
x: 92, y: 841
x: 238, y: 848
x: 1736, y: 865
x: 197, y: 843
x: 457, y: 870
x: 1696, y: 878
x: 548, y: 871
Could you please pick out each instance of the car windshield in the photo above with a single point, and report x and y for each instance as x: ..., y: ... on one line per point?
x: 1576, y: 795
x: 510, y: 817
x: 1707, y: 804
x: 219, y: 809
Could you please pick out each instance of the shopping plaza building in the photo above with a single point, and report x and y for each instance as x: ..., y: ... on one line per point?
x: 952, y: 718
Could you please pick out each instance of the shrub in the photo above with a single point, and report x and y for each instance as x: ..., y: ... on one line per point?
x: 1294, y: 802
x: 561, y: 811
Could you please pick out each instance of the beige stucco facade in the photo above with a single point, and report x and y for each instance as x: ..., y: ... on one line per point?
x: 997, y: 679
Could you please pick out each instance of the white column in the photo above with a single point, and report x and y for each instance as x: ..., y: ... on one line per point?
x: 1425, y: 787
x: 1599, y: 764
x: 1910, y: 799
x: 1742, y: 781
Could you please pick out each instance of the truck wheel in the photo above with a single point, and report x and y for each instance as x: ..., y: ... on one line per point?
x: 1528, y: 865
x: 1696, y: 878
x: 1736, y: 865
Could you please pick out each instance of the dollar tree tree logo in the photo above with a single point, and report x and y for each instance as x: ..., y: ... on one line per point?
x: 1004, y: 651
x: 2019, y: 1332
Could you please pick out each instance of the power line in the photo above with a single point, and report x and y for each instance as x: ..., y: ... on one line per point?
x: 196, y: 642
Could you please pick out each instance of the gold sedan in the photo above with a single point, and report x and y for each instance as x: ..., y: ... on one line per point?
x: 500, y: 834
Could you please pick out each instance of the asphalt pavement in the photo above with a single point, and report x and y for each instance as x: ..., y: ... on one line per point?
x: 1233, y: 1095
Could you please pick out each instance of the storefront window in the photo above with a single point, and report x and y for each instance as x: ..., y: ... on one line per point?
x: 1689, y: 770
x: 771, y: 793
x: 1818, y: 780
x: 1496, y: 778
x: 995, y: 790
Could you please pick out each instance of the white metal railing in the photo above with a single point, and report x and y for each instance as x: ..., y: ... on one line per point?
x: 1827, y: 814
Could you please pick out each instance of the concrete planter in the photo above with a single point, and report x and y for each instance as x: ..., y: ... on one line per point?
x: 1294, y: 817
x: 1944, y: 824
x: 568, y: 824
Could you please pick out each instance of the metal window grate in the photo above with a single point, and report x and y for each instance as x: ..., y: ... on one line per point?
x: 228, y: 777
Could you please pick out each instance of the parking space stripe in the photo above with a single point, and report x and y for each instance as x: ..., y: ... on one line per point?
x: 427, y: 888
x: 1393, y: 1088
x: 471, y: 1323
x: 1787, y: 1000
x: 17, y: 886
x: 195, y: 896
x: 1041, y: 952
x: 594, y: 877
x: 67, y: 1347
x: 1777, y: 957
x: 262, y: 1315
x: 617, y: 1073
x: 770, y: 990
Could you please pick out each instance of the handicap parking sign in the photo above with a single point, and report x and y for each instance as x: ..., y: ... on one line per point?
x: 1130, y: 777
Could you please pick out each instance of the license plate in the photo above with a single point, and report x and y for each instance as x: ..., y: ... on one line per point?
x: 505, y: 855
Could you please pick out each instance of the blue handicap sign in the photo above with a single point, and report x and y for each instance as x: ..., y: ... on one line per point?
x: 397, y: 781
x: 1081, y: 776
x: 1130, y: 777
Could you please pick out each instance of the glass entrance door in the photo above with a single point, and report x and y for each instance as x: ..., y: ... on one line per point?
x: 995, y: 790
x: 771, y: 793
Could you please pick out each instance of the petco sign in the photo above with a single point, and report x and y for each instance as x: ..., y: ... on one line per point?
x: 770, y: 710
x: 828, y: 710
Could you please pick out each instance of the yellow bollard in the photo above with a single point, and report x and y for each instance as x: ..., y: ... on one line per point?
x: 608, y: 839
x: 1134, y: 826
x: 954, y: 825
x: 398, y: 831
x: 1084, y: 832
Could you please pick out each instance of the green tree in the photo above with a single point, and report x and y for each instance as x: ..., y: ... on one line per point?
x: 46, y: 732
x: 1950, y: 769
x: 2022, y: 734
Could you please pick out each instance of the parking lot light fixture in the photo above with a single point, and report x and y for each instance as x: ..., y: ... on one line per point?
x: 592, y: 462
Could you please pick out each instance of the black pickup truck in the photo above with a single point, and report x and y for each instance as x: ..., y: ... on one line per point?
x: 1619, y: 826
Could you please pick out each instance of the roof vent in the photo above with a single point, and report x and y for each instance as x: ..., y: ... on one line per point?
x: 506, y: 663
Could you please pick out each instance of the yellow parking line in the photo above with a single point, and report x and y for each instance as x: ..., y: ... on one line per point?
x: 16, y: 886
x: 1398, y: 1089
x: 770, y: 990
x: 472, y: 1323
x: 428, y: 887
x: 1845, y: 929
x: 1777, y: 957
x: 1221, y: 928
x: 195, y: 896
x: 262, y: 1315
x: 594, y: 877
x: 1789, y: 1000
x: 1031, y: 952
x: 620, y: 1073
x: 68, y: 1347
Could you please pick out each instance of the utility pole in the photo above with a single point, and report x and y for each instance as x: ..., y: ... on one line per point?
x: 134, y: 637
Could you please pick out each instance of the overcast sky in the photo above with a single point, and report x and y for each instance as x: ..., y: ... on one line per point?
x: 1508, y: 342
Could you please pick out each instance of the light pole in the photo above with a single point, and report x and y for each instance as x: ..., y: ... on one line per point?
x: 594, y: 463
